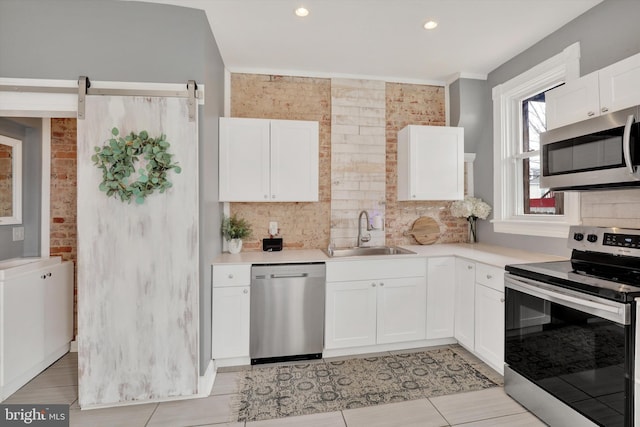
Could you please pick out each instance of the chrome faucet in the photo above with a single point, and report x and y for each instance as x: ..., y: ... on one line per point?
x: 361, y: 238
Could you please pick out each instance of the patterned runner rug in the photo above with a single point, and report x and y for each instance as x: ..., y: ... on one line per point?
x: 324, y: 386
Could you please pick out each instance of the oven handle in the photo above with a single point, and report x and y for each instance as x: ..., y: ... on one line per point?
x: 616, y: 312
x: 626, y: 144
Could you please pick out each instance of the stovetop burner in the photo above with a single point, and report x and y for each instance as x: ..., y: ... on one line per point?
x: 606, y: 264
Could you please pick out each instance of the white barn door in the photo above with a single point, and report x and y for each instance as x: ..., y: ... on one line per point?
x: 137, y: 264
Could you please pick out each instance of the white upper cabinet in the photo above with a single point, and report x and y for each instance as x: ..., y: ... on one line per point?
x: 265, y: 160
x: 430, y: 163
x: 610, y: 89
x: 573, y: 101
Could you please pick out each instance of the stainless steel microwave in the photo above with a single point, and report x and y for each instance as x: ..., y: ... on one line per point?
x: 598, y: 153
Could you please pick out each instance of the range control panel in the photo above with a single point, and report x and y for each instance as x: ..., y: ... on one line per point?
x: 618, y: 241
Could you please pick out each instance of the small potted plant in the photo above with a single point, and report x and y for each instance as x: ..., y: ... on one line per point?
x: 235, y: 229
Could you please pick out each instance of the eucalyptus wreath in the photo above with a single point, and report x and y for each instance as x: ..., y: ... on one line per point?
x: 116, y: 159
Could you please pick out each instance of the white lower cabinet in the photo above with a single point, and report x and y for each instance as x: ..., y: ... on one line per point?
x: 384, y: 304
x: 465, y: 302
x: 480, y: 311
x: 489, y: 333
x: 36, y: 310
x: 350, y: 314
x: 230, y: 312
x: 441, y: 288
x: 401, y: 310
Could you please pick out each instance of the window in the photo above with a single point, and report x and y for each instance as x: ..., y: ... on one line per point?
x: 520, y: 205
x: 535, y: 199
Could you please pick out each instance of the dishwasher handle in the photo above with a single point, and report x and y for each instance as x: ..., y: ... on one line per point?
x: 289, y: 276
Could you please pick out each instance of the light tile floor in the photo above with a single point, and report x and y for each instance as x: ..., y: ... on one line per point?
x: 485, y: 408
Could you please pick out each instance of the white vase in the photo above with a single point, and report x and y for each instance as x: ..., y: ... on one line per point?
x: 235, y: 245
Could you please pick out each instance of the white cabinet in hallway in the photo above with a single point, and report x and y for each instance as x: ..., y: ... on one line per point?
x: 441, y: 288
x: 36, y: 321
x: 265, y: 160
x: 230, y: 313
x: 430, y: 163
x: 375, y: 302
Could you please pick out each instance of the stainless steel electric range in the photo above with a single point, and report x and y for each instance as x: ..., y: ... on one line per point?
x: 571, y: 331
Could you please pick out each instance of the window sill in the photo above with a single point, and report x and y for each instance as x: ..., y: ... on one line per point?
x: 539, y: 227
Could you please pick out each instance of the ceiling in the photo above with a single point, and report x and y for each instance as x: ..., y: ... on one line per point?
x: 380, y: 39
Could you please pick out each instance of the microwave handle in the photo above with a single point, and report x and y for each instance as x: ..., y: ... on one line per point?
x: 626, y: 144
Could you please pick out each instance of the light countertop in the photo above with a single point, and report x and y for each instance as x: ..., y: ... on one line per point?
x: 493, y: 255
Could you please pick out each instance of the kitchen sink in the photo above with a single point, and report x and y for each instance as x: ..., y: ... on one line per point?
x: 366, y: 251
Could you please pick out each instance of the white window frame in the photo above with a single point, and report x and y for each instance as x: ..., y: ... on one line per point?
x: 507, y: 138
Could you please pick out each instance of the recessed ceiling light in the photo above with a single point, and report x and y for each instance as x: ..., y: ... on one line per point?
x: 430, y: 25
x: 302, y: 12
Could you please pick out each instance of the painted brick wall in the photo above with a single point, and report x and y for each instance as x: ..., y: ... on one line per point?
x: 63, y: 236
x: 302, y: 225
x: 357, y: 158
x: 417, y: 105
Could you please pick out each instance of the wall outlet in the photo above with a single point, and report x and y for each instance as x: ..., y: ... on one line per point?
x: 273, y: 228
x: 18, y: 233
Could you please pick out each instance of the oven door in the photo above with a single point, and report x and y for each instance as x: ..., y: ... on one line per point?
x: 575, y: 347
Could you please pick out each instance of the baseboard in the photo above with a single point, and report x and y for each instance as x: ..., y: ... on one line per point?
x: 351, y: 351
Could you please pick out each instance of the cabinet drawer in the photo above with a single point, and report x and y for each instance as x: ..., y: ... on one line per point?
x: 490, y: 276
x: 231, y: 275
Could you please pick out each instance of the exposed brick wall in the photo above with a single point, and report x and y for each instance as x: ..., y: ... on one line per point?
x: 302, y: 225
x: 6, y: 181
x: 63, y: 235
x: 417, y: 105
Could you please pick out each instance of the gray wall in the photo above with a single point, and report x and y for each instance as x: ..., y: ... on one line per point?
x: 607, y: 33
x: 128, y: 41
x: 30, y: 132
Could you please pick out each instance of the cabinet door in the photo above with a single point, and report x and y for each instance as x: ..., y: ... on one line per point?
x: 619, y: 86
x: 244, y: 160
x: 58, y: 307
x: 294, y: 161
x: 490, y: 326
x: 431, y: 163
x: 465, y: 303
x: 350, y: 314
x: 440, y: 297
x: 573, y: 101
x: 230, y: 322
x: 22, y: 325
x: 401, y: 308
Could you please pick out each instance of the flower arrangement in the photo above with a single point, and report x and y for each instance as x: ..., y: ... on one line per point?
x: 471, y: 208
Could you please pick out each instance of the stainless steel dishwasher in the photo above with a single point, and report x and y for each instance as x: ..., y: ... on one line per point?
x: 287, y: 312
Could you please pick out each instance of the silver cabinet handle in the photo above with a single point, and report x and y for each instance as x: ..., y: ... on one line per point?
x: 469, y: 267
x: 266, y: 197
x: 413, y: 195
x: 273, y: 196
x: 501, y: 299
x: 489, y: 276
x: 591, y: 114
x: 373, y: 285
x: 604, y: 109
x: 230, y: 276
x: 381, y: 284
x: 246, y: 291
